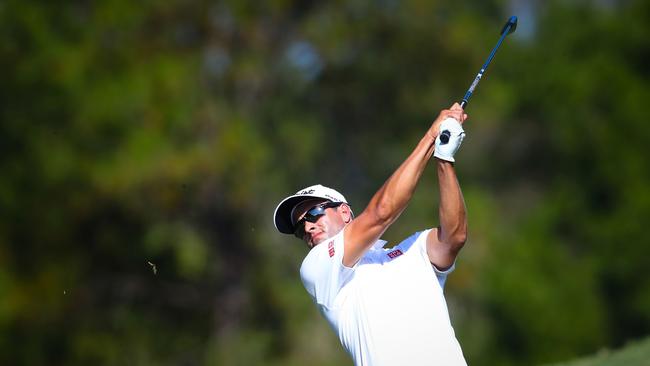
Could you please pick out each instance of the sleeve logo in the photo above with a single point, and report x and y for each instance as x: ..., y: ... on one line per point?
x: 330, y: 248
x: 395, y: 253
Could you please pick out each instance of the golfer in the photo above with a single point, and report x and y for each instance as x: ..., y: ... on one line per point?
x: 386, y: 305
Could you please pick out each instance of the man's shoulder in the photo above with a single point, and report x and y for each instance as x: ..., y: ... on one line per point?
x: 324, y: 252
x: 322, y: 271
x: 419, y: 237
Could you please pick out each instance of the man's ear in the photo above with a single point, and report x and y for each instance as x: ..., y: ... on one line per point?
x: 346, y: 213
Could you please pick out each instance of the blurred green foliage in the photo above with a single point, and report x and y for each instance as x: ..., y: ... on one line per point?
x: 635, y: 353
x: 144, y: 145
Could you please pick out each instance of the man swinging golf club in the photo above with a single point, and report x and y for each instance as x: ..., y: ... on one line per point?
x: 386, y: 305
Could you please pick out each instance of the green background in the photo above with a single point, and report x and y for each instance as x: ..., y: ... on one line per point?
x: 145, y: 144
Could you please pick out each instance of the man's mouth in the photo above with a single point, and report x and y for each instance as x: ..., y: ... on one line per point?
x: 315, y: 236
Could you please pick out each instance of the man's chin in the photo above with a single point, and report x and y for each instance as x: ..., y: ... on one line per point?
x: 318, y: 239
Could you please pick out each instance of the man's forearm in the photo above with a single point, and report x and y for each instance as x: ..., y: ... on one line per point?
x: 453, y: 217
x: 393, y: 197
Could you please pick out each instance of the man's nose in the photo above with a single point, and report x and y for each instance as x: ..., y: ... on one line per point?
x: 309, y: 226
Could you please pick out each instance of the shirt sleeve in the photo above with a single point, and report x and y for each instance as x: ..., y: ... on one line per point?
x: 323, y: 273
x: 440, y: 274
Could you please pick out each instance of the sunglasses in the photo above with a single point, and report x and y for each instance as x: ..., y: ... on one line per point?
x: 312, y: 215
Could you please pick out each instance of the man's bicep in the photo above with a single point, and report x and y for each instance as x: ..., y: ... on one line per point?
x: 360, y: 234
x: 440, y: 254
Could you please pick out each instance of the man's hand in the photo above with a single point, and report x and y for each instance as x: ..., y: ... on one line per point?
x: 449, y: 140
x: 447, y: 132
x: 455, y: 112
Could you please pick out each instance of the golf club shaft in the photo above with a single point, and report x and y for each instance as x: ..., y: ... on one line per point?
x: 506, y: 30
x: 510, y: 27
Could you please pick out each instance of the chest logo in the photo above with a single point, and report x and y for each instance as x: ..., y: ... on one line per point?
x: 395, y: 253
x: 330, y: 248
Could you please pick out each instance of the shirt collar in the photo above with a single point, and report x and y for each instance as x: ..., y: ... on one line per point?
x: 379, y: 244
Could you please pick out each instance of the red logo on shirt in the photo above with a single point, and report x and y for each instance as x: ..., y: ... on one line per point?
x: 330, y: 248
x: 395, y: 253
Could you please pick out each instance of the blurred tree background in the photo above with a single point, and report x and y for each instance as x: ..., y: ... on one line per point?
x: 144, y: 145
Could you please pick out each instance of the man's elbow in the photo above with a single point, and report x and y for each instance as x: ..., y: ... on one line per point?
x: 457, y: 240
x: 384, y: 213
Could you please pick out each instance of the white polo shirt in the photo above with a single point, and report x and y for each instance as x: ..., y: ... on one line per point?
x: 389, y: 309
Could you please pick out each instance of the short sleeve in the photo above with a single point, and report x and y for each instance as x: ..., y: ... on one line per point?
x: 323, y: 273
x: 442, y: 275
x: 421, y: 239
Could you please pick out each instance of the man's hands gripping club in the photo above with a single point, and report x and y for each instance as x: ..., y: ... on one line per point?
x: 448, y: 132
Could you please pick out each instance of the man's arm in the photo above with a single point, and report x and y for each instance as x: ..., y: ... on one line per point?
x: 445, y: 241
x: 393, y: 197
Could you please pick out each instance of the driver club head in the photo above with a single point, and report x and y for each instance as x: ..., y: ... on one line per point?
x: 510, y: 25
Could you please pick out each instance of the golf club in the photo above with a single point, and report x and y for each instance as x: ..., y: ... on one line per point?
x: 510, y: 27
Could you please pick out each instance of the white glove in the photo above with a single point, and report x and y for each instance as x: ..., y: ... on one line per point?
x: 446, y: 150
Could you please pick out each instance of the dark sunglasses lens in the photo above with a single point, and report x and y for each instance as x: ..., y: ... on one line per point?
x: 300, y: 225
x: 300, y: 230
x: 315, y: 213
